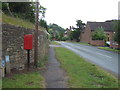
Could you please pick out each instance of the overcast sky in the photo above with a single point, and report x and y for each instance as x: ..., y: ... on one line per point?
x: 66, y: 12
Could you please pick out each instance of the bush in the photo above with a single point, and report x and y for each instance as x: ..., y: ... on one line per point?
x: 65, y: 38
x: 99, y: 34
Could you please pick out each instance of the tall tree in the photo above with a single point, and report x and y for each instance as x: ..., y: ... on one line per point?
x: 24, y: 10
x: 43, y: 23
x: 42, y: 11
x: 80, y: 25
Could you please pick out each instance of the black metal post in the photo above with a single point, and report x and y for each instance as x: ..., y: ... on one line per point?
x: 28, y: 57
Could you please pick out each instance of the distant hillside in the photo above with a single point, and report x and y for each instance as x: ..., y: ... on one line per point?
x: 18, y: 22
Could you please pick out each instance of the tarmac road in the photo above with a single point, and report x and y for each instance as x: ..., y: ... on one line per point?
x: 105, y: 59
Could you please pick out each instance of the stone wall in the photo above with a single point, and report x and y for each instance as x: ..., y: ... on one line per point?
x: 43, y: 45
x: 12, y: 42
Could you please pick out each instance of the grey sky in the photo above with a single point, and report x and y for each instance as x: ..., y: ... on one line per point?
x: 66, y: 12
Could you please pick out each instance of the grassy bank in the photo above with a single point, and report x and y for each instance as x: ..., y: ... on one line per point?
x: 18, y: 22
x: 29, y: 80
x: 55, y: 43
x: 109, y: 49
x: 83, y: 74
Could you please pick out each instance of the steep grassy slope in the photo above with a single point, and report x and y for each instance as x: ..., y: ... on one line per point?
x: 18, y: 22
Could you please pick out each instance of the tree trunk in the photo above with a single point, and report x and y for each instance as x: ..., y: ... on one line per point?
x: 9, y: 10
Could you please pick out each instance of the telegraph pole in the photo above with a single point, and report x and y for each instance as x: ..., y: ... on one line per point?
x: 36, y: 35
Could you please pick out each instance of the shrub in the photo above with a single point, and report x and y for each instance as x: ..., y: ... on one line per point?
x: 99, y: 34
x: 65, y: 38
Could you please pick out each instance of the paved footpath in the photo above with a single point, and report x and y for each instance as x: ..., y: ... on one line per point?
x: 55, y: 76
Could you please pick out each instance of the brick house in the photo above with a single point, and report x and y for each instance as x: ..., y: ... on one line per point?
x: 91, y: 26
x: 67, y: 32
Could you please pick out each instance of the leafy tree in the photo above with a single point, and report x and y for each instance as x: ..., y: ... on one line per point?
x: 99, y: 34
x: 6, y: 9
x: 72, y: 35
x: 57, y: 36
x: 77, y: 31
x: 42, y: 11
x: 56, y: 31
x: 43, y: 23
x: 61, y: 34
x: 24, y: 10
x: 51, y: 34
x: 80, y: 25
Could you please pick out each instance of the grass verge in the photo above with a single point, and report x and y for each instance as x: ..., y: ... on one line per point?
x: 55, y: 43
x: 82, y: 43
x: 29, y: 80
x: 109, y: 49
x: 83, y: 74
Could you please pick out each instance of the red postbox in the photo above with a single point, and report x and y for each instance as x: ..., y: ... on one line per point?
x: 28, y: 41
x: 28, y: 45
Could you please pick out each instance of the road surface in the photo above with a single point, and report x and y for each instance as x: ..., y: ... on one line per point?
x: 105, y: 59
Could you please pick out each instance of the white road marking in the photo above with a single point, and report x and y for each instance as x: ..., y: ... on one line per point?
x: 103, y: 55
